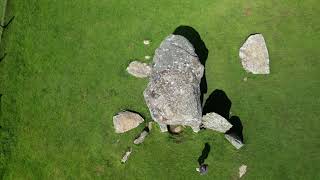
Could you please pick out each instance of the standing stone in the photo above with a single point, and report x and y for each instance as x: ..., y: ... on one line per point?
x: 126, y: 155
x: 126, y: 120
x: 242, y: 170
x: 173, y: 92
x: 215, y: 122
x: 254, y: 55
x: 139, y: 69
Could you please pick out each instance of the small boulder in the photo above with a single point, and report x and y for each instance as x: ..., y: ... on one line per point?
x: 215, y: 122
x: 242, y: 170
x: 126, y: 120
x: 254, y: 55
x: 234, y: 140
x: 139, y: 69
x: 126, y: 155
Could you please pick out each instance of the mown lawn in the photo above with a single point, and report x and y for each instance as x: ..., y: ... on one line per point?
x: 64, y: 78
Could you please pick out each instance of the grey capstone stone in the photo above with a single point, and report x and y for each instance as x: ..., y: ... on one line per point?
x: 173, y: 92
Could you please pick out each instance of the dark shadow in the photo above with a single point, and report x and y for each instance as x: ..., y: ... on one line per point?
x: 200, y: 49
x: 132, y: 112
x: 204, y: 154
x: 8, y: 23
x: 219, y: 103
x: 236, y: 130
x: 5, y: 54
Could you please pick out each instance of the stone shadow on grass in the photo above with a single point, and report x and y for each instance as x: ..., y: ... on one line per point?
x: 236, y: 129
x: 204, y: 154
x: 219, y: 103
x: 200, y: 49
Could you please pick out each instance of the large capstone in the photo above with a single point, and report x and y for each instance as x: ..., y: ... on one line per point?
x: 254, y: 55
x: 173, y: 92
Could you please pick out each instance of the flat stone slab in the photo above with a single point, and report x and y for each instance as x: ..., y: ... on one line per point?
x: 215, y: 122
x: 254, y: 55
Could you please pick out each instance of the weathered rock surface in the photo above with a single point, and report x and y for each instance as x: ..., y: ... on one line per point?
x: 234, y: 140
x: 254, y: 55
x: 126, y: 120
x: 139, y: 69
x: 215, y: 122
x: 173, y: 92
x: 242, y: 170
x: 126, y: 155
x: 141, y: 137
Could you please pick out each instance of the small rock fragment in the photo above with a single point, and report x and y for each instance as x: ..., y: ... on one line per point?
x: 254, y: 55
x: 242, y: 170
x: 175, y: 129
x: 139, y: 69
x: 146, y: 42
x: 126, y: 155
x: 150, y: 125
x: 147, y: 57
x: 215, y: 122
x: 126, y: 120
x: 245, y: 79
x: 142, y: 136
x: 234, y: 140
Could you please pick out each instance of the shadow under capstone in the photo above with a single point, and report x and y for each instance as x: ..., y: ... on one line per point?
x: 200, y: 49
x: 236, y: 129
x: 219, y: 103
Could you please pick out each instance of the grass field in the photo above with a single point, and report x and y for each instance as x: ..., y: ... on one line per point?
x: 64, y: 78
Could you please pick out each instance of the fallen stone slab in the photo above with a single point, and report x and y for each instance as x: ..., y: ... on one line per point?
x: 142, y: 136
x: 173, y: 92
x: 139, y: 69
x: 125, y: 121
x: 215, y: 122
x: 234, y: 140
x: 254, y: 55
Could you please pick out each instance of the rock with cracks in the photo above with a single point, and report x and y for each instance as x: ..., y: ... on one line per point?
x: 254, y: 55
x: 126, y: 120
x: 173, y: 91
x: 215, y: 122
x: 139, y: 69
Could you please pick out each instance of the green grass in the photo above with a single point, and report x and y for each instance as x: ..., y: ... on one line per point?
x: 64, y: 78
